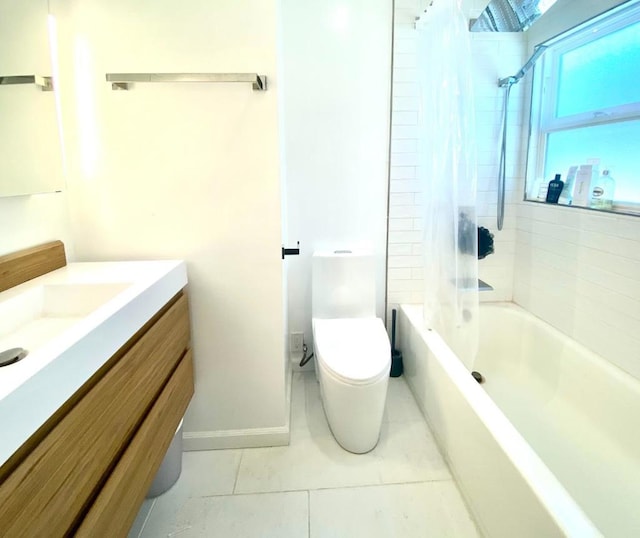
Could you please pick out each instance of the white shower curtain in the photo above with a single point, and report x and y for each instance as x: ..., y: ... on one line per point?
x: 447, y: 172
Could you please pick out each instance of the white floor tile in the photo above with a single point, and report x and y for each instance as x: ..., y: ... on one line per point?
x: 407, y: 452
x: 298, y: 418
x: 401, y: 488
x: 141, y: 518
x: 207, y: 472
x: 403, y: 510
x: 277, y: 515
x: 401, y: 405
x: 316, y: 421
x: 308, y: 463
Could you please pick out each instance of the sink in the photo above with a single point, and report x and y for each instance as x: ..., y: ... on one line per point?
x: 72, y: 321
x: 33, y: 317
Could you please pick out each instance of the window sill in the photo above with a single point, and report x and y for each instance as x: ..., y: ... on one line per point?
x: 632, y: 210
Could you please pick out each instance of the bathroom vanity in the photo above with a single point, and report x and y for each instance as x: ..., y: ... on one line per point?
x: 87, y: 416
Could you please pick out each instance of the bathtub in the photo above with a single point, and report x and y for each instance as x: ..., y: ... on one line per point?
x: 549, y: 444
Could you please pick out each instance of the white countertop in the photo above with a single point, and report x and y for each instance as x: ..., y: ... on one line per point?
x: 65, y: 351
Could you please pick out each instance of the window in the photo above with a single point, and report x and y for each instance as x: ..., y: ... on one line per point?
x: 585, y: 114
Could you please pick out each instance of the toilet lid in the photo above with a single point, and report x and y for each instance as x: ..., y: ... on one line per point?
x: 356, y: 349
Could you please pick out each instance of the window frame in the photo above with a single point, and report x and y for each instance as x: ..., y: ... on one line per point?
x: 543, y: 103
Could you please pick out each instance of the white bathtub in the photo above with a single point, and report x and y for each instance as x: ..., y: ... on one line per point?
x: 549, y: 444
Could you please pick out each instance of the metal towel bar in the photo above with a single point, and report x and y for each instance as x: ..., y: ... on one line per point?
x: 121, y: 81
x: 44, y: 83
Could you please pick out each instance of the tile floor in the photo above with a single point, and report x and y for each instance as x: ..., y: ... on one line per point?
x: 313, y: 488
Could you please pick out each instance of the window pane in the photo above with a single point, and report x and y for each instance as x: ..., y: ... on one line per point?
x: 617, y: 145
x: 600, y: 74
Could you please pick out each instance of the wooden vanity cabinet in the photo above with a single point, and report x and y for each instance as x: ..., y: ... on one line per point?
x: 86, y: 471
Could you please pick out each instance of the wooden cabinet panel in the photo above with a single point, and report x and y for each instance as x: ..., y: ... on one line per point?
x: 18, y: 267
x: 117, y: 504
x: 51, y: 490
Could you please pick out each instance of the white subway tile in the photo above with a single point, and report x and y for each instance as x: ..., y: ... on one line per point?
x: 399, y: 249
x: 403, y: 146
x: 399, y: 297
x: 403, y: 185
x: 399, y: 274
x: 405, y: 285
x: 406, y: 45
x: 401, y: 199
x: 404, y: 159
x: 396, y: 225
x: 405, y: 103
x: 405, y: 237
x: 404, y: 261
x: 400, y: 211
x: 402, y: 172
x: 407, y: 117
x: 404, y: 61
x: 399, y: 132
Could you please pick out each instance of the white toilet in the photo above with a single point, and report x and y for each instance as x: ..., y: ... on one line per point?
x: 351, y: 346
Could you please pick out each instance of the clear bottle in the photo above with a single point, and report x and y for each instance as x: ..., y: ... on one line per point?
x: 603, y: 191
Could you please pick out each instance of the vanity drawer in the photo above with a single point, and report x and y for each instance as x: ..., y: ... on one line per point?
x: 53, y: 486
x: 117, y: 504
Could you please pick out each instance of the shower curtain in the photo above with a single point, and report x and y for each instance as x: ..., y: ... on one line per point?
x: 447, y: 173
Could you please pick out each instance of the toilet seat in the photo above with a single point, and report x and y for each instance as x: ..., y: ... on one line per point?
x: 356, y: 351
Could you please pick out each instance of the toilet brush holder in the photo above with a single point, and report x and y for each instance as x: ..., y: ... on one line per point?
x: 396, y: 356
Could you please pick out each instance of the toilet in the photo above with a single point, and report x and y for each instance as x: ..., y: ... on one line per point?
x: 351, y: 346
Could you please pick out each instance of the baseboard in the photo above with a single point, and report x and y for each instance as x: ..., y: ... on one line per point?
x: 247, y: 438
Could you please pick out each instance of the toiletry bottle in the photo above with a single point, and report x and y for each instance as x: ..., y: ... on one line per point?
x: 603, y: 191
x: 567, y: 190
x: 582, y: 186
x: 555, y: 188
x: 543, y: 189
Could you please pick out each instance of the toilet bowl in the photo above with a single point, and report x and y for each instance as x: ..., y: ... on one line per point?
x: 353, y: 358
x: 351, y: 346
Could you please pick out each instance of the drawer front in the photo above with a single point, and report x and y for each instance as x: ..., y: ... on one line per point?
x: 117, y: 504
x: 47, y: 494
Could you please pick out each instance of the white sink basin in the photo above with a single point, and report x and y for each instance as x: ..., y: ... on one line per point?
x: 71, y: 321
x: 40, y: 313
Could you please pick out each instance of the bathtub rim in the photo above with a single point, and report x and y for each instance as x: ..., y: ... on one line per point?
x: 559, y: 504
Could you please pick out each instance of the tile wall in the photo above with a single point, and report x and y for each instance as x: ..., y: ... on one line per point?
x: 494, y: 56
x: 576, y: 269
x: 579, y: 270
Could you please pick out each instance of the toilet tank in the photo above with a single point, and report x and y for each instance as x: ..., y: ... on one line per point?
x: 343, y: 285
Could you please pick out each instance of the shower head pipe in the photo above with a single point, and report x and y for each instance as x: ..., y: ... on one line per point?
x: 509, y: 81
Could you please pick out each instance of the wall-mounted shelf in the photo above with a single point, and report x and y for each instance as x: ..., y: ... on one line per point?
x: 121, y: 81
x: 44, y: 83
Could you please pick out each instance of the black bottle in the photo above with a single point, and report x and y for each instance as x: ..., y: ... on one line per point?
x: 555, y: 188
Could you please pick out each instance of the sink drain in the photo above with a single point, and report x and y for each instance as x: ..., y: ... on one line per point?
x: 12, y: 355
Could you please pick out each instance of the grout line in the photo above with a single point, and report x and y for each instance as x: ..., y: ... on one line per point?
x: 308, y: 514
x: 330, y: 488
x: 146, y: 519
x: 235, y: 482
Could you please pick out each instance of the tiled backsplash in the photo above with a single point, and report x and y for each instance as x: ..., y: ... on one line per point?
x: 579, y: 270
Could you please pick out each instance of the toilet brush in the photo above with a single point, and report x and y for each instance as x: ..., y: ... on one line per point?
x: 396, y: 356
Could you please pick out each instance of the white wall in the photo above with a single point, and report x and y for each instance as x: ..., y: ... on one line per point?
x: 26, y: 221
x: 187, y: 171
x: 494, y: 56
x: 337, y: 64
